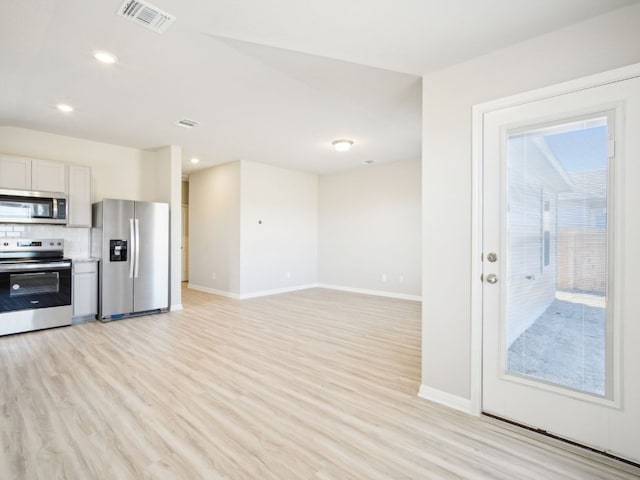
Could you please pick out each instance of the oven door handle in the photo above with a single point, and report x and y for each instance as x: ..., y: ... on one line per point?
x: 34, y: 266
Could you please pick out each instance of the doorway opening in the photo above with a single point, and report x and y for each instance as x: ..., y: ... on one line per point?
x: 185, y: 231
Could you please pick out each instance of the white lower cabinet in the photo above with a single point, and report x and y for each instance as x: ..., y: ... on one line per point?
x: 85, y: 290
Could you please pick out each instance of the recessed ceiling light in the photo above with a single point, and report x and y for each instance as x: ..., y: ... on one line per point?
x: 195, y: 160
x: 342, y: 145
x: 105, y: 57
x: 63, y: 107
x: 368, y: 162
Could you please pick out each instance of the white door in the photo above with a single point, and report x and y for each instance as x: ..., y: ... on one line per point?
x: 561, y: 266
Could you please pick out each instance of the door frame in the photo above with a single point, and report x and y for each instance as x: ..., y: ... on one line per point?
x: 184, y: 222
x: 477, y: 181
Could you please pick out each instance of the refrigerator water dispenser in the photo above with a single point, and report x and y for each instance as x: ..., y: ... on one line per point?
x: 118, y: 250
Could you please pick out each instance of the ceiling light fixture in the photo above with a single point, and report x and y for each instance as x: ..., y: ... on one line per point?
x: 342, y: 145
x: 63, y: 107
x: 105, y: 57
x: 195, y: 160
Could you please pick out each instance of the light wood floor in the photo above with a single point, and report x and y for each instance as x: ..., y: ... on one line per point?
x: 315, y: 384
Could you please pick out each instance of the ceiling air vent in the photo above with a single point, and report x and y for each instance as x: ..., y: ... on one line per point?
x: 146, y: 15
x: 187, y: 123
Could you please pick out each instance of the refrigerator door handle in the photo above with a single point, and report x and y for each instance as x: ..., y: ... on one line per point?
x: 133, y: 248
x: 137, y: 249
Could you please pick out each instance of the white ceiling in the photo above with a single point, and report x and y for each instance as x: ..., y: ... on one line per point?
x: 269, y: 81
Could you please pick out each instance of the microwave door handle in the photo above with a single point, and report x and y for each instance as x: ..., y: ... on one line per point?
x: 132, y: 246
x: 137, y: 249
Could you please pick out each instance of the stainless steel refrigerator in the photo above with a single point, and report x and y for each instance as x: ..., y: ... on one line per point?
x: 131, y: 239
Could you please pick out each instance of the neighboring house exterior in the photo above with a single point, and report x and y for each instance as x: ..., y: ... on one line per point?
x: 535, y: 180
x: 557, y: 230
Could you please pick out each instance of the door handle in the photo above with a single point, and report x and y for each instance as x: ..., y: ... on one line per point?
x: 133, y: 248
x: 492, y: 278
x: 137, y: 249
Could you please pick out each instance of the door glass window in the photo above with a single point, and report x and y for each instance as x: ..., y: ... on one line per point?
x: 37, y: 283
x: 557, y: 196
x: 18, y: 207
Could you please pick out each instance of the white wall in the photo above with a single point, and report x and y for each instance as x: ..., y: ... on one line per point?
x: 116, y: 171
x: 602, y: 43
x: 369, y: 223
x: 279, y: 228
x: 214, y: 229
x: 254, y: 226
x: 169, y: 190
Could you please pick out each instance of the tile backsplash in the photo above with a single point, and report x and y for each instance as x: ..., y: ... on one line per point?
x: 76, y: 240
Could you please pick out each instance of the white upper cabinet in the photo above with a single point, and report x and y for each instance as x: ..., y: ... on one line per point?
x: 47, y: 176
x: 19, y: 173
x: 15, y: 173
x: 79, y: 196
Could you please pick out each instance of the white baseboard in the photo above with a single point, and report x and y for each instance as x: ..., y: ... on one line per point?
x: 378, y: 293
x: 445, y: 398
x: 222, y: 293
x: 176, y: 307
x: 295, y: 288
x: 244, y: 296
x: 276, y: 291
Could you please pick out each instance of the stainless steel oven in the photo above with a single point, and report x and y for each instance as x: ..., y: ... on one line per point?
x: 35, y: 285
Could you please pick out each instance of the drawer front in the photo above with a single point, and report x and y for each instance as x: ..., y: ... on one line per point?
x: 85, y: 267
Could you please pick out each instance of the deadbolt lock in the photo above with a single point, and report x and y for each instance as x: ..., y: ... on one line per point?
x: 492, y: 257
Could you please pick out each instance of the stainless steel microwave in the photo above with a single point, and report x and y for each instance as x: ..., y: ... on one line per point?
x: 21, y: 206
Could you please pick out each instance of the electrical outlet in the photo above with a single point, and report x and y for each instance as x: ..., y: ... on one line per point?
x: 401, y: 279
x: 213, y: 275
x: 384, y: 277
x: 288, y: 275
